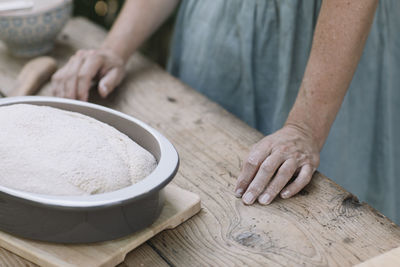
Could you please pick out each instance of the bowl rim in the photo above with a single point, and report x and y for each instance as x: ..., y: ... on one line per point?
x: 49, y: 8
x: 166, y: 168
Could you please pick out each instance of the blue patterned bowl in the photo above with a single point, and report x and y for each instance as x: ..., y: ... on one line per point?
x: 32, y: 33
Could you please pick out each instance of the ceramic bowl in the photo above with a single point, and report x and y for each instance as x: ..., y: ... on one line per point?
x: 32, y: 33
x: 100, y: 217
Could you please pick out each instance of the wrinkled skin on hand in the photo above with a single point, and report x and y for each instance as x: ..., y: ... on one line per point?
x: 273, y: 161
x: 75, y: 79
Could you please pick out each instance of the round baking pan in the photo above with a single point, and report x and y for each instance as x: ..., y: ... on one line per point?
x: 92, y: 218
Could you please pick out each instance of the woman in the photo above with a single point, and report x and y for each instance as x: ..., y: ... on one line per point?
x: 254, y: 58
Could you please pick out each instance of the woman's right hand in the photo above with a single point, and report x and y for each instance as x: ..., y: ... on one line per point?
x: 74, y: 80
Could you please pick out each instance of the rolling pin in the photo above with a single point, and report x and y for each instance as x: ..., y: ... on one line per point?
x: 33, y: 76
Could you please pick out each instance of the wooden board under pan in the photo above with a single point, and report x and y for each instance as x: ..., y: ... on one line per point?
x: 180, y: 205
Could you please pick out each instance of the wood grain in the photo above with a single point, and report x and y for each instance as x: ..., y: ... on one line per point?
x: 143, y: 256
x: 9, y: 259
x: 323, y: 226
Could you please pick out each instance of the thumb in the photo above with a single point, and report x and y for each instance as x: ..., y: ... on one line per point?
x: 111, y: 80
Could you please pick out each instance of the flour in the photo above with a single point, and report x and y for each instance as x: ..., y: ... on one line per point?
x: 50, y: 151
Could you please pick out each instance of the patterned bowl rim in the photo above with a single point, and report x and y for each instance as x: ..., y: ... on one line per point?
x: 50, y: 7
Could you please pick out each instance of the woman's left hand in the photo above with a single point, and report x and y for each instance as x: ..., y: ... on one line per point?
x: 273, y: 161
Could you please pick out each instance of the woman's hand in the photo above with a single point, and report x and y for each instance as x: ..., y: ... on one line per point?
x: 294, y: 149
x: 74, y: 80
x: 273, y: 161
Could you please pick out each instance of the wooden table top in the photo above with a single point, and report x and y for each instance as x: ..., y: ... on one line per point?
x: 323, y: 225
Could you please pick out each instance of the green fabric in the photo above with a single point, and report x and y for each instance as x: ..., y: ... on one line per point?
x: 250, y: 56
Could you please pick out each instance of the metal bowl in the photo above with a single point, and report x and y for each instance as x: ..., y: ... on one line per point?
x: 93, y: 218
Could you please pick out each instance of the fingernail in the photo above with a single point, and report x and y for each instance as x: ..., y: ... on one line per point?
x: 104, y: 89
x: 265, y: 199
x: 239, y: 192
x: 248, y: 198
x: 285, y: 194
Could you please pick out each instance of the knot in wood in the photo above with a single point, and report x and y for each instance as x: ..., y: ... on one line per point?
x: 350, y: 206
x: 351, y: 201
x: 248, y: 239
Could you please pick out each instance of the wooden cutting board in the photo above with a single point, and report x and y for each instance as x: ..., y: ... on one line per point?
x: 390, y: 258
x: 180, y: 205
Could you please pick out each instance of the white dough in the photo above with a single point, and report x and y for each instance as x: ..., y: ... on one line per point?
x: 50, y: 151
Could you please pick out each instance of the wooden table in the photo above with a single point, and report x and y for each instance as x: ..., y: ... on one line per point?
x: 323, y: 225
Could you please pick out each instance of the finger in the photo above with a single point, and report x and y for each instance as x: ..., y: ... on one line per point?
x: 53, y: 88
x: 111, y: 80
x: 87, y: 73
x: 58, y: 75
x: 253, y: 161
x: 60, y: 89
x: 55, y: 80
x: 282, y: 177
x: 299, y: 183
x: 70, y: 84
x: 263, y: 176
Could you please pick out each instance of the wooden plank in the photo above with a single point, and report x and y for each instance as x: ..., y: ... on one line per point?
x: 324, y: 225
x: 143, y: 256
x: 180, y: 205
x: 10, y: 259
x: 391, y: 258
